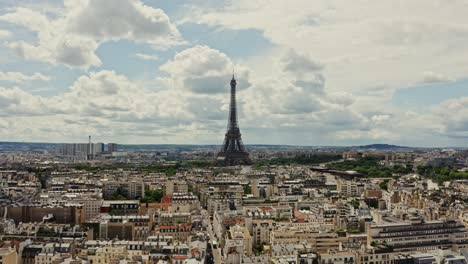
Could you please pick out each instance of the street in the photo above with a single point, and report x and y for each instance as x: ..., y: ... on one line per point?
x: 216, y: 250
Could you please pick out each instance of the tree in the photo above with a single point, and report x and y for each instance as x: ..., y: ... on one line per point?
x: 384, y: 185
x: 247, y: 189
x: 355, y: 203
x: 119, y: 194
x: 152, y: 196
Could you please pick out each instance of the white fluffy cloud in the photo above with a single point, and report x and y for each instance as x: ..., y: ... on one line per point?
x: 452, y: 115
x: 296, y: 103
x: 363, y: 44
x: 27, y: 18
x: 300, y: 64
x: 203, y: 70
x: 73, y: 37
x: 121, y: 19
x: 4, y: 34
x: 432, y: 77
x: 101, y: 103
x: 110, y: 101
x: 108, y: 104
x: 18, y: 77
x: 144, y: 56
x: 15, y: 102
x: 328, y: 78
x: 366, y: 50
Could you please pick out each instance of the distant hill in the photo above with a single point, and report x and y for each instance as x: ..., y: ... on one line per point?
x: 27, y: 146
x: 381, y: 147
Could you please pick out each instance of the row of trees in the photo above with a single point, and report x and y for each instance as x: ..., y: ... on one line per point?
x: 369, y: 166
x: 441, y: 174
x: 303, y: 160
x: 151, y: 196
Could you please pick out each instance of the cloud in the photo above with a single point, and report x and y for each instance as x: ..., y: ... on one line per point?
x: 301, y: 89
x: 203, y: 70
x: 4, y: 34
x: 104, y: 103
x: 18, y: 77
x: 144, y: 56
x: 432, y: 77
x: 207, y: 109
x: 15, y: 102
x: 111, y: 106
x: 383, y: 45
x: 296, y: 97
x: 300, y: 64
x: 380, y: 118
x: 365, y: 54
x: 73, y: 37
x: 27, y: 18
x: 55, y: 45
x: 328, y: 75
x: 341, y: 98
x: 452, y: 115
x: 123, y: 19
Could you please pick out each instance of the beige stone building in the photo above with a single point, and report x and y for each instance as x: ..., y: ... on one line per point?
x: 108, y: 254
x: 8, y: 255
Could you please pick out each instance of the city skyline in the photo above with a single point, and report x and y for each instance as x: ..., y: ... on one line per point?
x: 331, y: 74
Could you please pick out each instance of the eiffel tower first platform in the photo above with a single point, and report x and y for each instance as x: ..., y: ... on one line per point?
x: 232, y: 151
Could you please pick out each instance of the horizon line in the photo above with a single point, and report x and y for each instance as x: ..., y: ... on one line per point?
x: 252, y: 144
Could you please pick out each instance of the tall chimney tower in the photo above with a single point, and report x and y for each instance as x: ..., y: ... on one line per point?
x: 90, y: 148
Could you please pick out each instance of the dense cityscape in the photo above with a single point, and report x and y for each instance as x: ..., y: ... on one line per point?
x: 374, y: 204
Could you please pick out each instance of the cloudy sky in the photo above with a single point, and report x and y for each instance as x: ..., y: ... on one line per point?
x: 310, y: 72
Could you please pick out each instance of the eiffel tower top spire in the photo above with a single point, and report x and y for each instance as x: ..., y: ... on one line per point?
x: 233, y: 80
x: 232, y: 121
x: 233, y: 151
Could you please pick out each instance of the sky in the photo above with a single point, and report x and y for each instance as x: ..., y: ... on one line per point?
x: 316, y: 73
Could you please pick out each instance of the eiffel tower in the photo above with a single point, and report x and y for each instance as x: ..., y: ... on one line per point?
x: 233, y: 151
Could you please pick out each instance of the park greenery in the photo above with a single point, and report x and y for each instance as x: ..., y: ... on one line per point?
x: 258, y: 249
x: 442, y: 173
x: 355, y: 203
x: 152, y: 196
x: 302, y: 160
x: 169, y: 170
x: 369, y: 167
x: 384, y: 184
x: 119, y: 194
x: 247, y: 189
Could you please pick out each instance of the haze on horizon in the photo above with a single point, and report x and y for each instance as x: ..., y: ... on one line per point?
x: 308, y: 72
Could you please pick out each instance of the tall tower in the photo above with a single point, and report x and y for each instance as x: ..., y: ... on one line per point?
x: 233, y: 151
x: 90, y: 149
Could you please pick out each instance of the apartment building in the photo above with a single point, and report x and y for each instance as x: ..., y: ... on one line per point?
x: 418, y: 235
x: 8, y: 255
